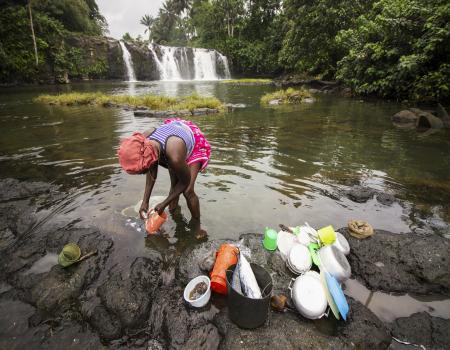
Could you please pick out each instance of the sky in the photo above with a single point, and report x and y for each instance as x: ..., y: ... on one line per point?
x: 124, y: 16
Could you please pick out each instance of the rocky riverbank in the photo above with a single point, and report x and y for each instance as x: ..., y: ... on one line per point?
x: 94, y: 305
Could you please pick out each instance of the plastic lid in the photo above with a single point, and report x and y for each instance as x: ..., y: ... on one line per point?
x: 338, y: 295
x: 300, y: 258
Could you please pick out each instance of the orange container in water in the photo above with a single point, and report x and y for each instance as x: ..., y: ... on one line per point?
x: 226, y: 256
x: 154, y: 221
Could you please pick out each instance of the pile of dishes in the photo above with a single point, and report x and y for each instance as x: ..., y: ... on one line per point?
x: 312, y: 291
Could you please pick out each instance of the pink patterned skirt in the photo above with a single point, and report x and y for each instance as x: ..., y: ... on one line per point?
x: 202, y: 149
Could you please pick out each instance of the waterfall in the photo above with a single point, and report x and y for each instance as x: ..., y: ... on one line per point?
x: 128, y: 62
x: 181, y: 63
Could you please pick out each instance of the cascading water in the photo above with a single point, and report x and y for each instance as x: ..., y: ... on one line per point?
x: 182, y: 63
x: 128, y: 62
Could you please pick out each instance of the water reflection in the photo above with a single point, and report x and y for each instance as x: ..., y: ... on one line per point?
x: 269, y: 165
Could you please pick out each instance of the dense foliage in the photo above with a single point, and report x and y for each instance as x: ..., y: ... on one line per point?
x: 53, y: 22
x: 390, y: 48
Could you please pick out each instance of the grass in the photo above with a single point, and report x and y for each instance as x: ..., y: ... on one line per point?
x: 288, y: 96
x: 249, y: 81
x: 153, y: 102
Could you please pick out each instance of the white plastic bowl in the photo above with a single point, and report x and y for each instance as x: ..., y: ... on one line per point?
x: 203, y: 300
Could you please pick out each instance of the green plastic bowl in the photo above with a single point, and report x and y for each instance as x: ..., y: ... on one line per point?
x: 69, y: 255
x: 270, y: 239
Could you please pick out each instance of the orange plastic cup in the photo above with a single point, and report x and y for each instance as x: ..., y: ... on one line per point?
x: 225, y: 257
x: 154, y: 221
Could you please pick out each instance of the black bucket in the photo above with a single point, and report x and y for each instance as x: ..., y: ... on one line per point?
x: 247, y: 312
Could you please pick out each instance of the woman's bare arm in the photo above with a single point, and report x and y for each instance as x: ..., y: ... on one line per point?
x: 149, y: 183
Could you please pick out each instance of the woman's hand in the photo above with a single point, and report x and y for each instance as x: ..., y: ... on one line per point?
x: 159, y: 208
x: 143, y: 210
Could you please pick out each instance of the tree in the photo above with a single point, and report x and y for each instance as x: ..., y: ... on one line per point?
x: 148, y: 22
x: 399, y: 49
x: 32, y: 33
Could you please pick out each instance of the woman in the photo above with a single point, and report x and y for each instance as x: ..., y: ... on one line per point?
x: 177, y: 145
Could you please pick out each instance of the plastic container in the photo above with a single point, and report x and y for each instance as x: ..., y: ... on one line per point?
x: 248, y: 312
x: 154, y: 222
x: 299, y: 260
x: 335, y: 263
x: 327, y: 235
x: 341, y: 243
x: 225, y: 257
x: 203, y: 300
x: 270, y: 239
x: 309, y: 296
x: 69, y: 255
x: 338, y: 295
x: 285, y: 241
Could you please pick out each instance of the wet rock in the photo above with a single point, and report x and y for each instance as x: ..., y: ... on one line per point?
x: 363, y: 330
x: 405, y: 117
x: 144, y: 113
x: 212, y: 111
x: 385, y: 198
x: 181, y: 325
x: 423, y: 329
x: 200, y: 111
x: 107, y: 326
x: 154, y: 345
x: 184, y: 112
x: 191, y: 261
x: 129, y: 297
x: 428, y: 121
x: 410, y: 263
x: 12, y: 189
x: 360, y: 194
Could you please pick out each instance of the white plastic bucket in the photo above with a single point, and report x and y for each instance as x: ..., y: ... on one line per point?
x: 203, y: 300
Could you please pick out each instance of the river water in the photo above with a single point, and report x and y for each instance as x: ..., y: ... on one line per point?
x: 269, y: 165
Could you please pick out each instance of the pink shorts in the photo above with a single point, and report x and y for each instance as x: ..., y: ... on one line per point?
x: 202, y: 149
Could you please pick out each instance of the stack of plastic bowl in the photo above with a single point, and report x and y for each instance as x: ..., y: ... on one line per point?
x: 299, y: 259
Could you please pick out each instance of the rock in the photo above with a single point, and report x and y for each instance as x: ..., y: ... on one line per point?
x: 441, y: 112
x: 180, y: 325
x: 410, y: 264
x: 130, y: 297
x: 346, y: 92
x: 274, y: 102
x: 360, y: 194
x: 200, y: 111
x: 423, y: 329
x: 106, y: 325
x: 144, y: 113
x: 290, y: 331
x: 363, y: 330
x: 385, y: 198
x: 405, y: 117
x: 212, y: 111
x: 184, y: 112
x: 428, y: 121
x: 191, y: 261
x: 12, y: 189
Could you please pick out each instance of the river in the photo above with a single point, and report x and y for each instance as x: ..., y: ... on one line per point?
x: 269, y: 165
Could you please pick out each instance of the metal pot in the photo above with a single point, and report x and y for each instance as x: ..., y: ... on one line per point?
x: 308, y: 295
x: 335, y: 262
x: 341, y: 243
x: 299, y: 259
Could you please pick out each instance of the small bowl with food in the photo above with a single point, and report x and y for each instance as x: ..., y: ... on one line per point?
x: 198, y: 291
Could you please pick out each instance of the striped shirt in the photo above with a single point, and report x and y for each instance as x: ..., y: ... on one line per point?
x: 175, y: 128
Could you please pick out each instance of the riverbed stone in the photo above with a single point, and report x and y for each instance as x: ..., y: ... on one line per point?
x: 360, y: 194
x: 129, y: 296
x: 405, y: 117
x: 385, y: 198
x: 423, y: 329
x: 410, y: 263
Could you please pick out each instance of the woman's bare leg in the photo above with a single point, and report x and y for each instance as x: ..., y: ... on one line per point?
x: 173, y: 181
x: 190, y: 195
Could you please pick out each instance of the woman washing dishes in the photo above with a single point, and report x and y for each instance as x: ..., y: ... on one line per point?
x: 177, y: 145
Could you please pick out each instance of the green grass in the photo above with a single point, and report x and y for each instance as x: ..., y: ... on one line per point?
x: 288, y: 96
x: 153, y: 102
x: 249, y: 81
